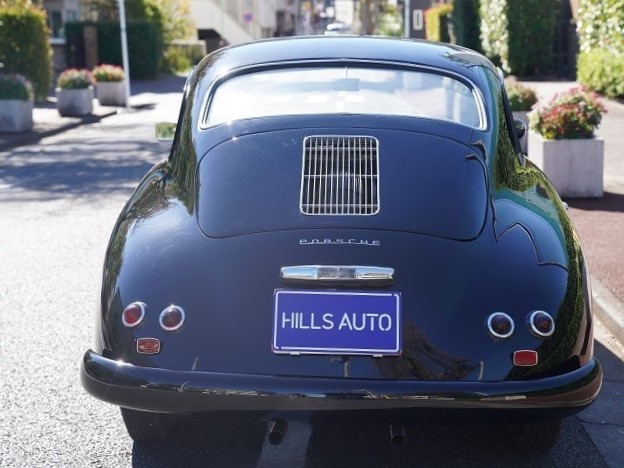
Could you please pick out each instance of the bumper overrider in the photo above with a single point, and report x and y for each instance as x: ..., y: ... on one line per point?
x: 168, y: 391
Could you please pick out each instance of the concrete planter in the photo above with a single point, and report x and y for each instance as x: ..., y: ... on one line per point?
x: 15, y: 115
x: 74, y: 102
x: 575, y: 167
x: 522, y: 115
x: 111, y: 93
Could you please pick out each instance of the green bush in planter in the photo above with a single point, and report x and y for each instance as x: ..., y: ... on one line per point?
x: 521, y: 98
x: 105, y: 73
x: 573, y: 114
x: 15, y: 87
x: 73, y: 78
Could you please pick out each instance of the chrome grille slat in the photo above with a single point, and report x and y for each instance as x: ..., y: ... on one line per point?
x: 340, y: 175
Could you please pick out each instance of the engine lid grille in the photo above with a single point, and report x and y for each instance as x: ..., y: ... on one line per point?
x: 340, y: 175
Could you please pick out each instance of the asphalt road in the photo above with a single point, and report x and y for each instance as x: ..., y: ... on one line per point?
x: 58, y: 203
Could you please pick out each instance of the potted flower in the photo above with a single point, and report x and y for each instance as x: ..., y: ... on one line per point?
x: 110, y: 86
x: 16, y: 103
x: 563, y: 144
x: 521, y: 100
x: 74, y: 92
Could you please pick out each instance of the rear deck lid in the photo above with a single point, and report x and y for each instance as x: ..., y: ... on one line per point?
x: 354, y: 179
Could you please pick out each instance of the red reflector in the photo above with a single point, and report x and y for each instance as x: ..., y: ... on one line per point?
x: 525, y: 358
x: 148, y: 345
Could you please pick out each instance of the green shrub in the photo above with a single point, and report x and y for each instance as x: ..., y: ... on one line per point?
x: 521, y: 98
x: 466, y: 23
x: 175, y: 60
x: 523, y: 46
x: 570, y: 115
x: 24, y: 46
x: 390, y: 22
x: 603, y: 71
x: 600, y: 64
x: 181, y: 55
x: 108, y: 73
x: 15, y: 86
x: 73, y: 78
x: 437, y: 19
x: 601, y: 25
x: 144, y: 45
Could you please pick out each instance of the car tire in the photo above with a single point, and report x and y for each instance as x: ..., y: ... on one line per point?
x: 538, y: 436
x: 144, y: 426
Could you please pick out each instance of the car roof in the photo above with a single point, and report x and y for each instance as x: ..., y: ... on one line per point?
x: 348, y: 48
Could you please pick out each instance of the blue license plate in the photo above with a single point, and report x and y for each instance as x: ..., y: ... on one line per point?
x: 336, y: 322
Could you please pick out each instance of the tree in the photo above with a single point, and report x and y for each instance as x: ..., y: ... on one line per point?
x: 24, y: 45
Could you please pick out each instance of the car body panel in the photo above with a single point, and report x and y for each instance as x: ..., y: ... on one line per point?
x: 467, y: 223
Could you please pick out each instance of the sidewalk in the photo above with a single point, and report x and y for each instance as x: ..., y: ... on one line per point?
x: 599, y: 222
x: 47, y: 121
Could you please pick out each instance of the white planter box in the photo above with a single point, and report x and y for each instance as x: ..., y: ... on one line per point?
x: 74, y: 102
x: 15, y: 115
x: 575, y: 167
x: 111, y: 93
x: 522, y: 115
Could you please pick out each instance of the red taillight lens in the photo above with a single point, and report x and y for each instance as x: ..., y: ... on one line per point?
x: 172, y: 318
x: 500, y: 325
x: 133, y: 314
x: 541, y: 324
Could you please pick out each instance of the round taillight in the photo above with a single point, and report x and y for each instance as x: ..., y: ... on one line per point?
x: 172, y: 318
x: 541, y: 324
x: 133, y: 314
x: 500, y: 325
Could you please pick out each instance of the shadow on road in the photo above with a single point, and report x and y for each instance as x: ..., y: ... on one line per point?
x: 76, y: 168
x: 613, y: 202
x: 222, y: 441
x: 165, y: 84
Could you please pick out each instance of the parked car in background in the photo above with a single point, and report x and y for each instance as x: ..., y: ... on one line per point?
x: 346, y: 228
x: 337, y: 28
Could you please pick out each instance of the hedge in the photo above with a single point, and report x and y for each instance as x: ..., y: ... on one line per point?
x: 466, y: 23
x: 437, y: 20
x: 144, y: 46
x: 24, y: 46
x: 600, y: 65
x: 523, y: 46
x: 602, y: 70
x: 601, y: 25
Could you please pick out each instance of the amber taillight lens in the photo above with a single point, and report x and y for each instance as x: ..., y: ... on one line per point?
x: 500, y: 326
x: 172, y: 318
x: 541, y: 324
x: 133, y: 314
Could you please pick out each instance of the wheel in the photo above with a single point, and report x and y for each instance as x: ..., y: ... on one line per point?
x: 144, y: 426
x: 538, y: 436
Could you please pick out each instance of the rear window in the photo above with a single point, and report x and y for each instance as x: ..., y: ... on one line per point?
x: 344, y: 90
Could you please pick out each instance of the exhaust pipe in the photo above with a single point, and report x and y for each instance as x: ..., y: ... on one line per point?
x: 397, y: 436
x: 277, y: 431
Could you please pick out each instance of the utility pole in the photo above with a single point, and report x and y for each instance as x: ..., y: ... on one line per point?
x: 407, y: 8
x: 124, y: 49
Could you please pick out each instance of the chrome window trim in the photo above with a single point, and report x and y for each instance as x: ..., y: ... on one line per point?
x: 207, y: 98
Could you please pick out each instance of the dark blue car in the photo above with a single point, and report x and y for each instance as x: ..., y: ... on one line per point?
x: 346, y: 228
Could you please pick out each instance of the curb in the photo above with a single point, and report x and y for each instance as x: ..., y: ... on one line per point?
x: 21, y: 139
x: 608, y: 309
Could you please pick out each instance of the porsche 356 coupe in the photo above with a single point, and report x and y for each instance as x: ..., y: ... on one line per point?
x: 345, y: 227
